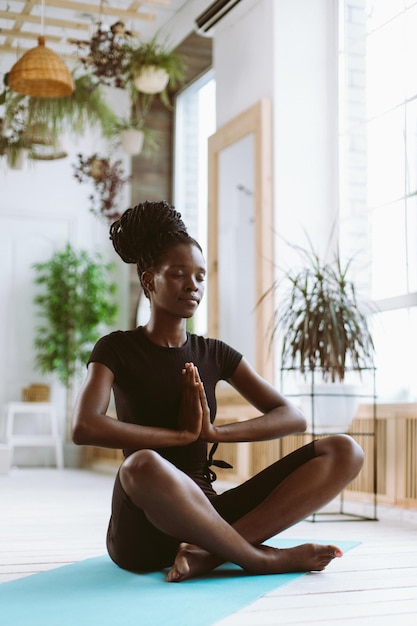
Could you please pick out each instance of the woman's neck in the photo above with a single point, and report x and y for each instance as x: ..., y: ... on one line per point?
x: 167, y: 336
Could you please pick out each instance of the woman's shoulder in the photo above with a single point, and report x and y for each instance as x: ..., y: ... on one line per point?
x: 122, y: 335
x: 118, y: 339
x: 208, y: 341
x: 214, y: 348
x: 115, y: 348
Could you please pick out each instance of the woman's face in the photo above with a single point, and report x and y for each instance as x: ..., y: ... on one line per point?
x: 177, y: 285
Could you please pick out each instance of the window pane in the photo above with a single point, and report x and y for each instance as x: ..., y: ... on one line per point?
x: 380, y: 11
x: 386, y: 67
x: 195, y: 121
x: 412, y: 244
x: 386, y: 158
x: 395, y: 334
x: 411, y: 146
x: 381, y: 156
x: 388, y: 251
x: 411, y: 52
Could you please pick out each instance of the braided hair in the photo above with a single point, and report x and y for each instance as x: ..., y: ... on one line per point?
x: 145, y: 232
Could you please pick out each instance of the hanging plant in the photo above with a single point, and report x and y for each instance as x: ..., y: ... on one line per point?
x: 14, y: 142
x: 86, y: 106
x: 135, y: 126
x: 150, y: 67
x: 108, y: 180
x: 106, y: 54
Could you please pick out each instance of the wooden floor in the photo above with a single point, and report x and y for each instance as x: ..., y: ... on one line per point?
x: 49, y: 518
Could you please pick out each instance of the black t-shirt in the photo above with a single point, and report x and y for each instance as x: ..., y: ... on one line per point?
x: 148, y: 383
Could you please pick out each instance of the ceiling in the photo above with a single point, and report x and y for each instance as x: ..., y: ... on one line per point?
x: 60, y: 21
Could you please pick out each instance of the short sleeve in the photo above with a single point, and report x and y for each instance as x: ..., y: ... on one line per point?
x: 107, y: 353
x: 229, y: 359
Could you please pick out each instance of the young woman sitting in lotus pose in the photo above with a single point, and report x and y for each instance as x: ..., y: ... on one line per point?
x: 165, y: 512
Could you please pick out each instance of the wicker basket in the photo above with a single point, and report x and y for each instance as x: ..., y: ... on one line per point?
x: 36, y: 393
x: 40, y: 72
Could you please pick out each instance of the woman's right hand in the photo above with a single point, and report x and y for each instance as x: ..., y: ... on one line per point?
x: 190, y: 417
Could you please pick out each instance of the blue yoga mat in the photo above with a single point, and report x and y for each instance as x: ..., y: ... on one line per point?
x: 96, y: 591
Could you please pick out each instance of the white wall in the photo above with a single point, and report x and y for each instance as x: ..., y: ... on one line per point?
x: 287, y: 50
x: 305, y: 119
x: 41, y: 208
x: 243, y: 51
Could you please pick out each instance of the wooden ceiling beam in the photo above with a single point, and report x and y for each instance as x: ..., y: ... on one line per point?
x: 12, y: 50
x: 48, y: 21
x: 85, y: 7
x: 136, y: 10
x: 29, y: 35
x: 19, y: 22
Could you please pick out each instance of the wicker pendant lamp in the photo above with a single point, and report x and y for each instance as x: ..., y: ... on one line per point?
x: 40, y: 73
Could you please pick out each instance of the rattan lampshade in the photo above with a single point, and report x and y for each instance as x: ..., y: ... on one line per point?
x: 40, y: 73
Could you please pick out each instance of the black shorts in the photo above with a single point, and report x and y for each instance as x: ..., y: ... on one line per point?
x: 135, y: 544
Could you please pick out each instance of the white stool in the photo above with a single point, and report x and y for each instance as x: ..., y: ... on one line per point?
x: 49, y: 439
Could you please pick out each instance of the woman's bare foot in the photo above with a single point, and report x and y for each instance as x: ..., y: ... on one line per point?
x: 307, y: 557
x: 192, y: 560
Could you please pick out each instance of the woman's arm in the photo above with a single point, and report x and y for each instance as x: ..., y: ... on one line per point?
x: 279, y: 416
x: 91, y: 425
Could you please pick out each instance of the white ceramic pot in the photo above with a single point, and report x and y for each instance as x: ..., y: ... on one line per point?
x: 131, y: 140
x: 151, y: 79
x: 329, y: 407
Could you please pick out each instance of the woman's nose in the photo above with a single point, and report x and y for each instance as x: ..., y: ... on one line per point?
x: 192, y: 284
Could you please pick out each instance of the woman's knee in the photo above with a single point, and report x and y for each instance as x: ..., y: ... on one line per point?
x: 344, y: 450
x: 139, y: 468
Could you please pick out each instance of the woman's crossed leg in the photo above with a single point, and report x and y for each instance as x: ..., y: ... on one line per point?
x: 175, y: 505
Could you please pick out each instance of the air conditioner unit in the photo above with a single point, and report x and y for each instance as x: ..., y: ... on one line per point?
x: 213, y: 14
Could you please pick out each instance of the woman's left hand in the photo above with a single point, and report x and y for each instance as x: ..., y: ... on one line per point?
x: 207, y: 429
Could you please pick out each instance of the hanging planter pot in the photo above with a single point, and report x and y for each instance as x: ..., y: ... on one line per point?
x: 131, y: 140
x: 150, y: 65
x: 151, y: 79
x: 45, y: 147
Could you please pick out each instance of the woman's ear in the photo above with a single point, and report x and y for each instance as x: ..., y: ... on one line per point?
x: 147, y: 281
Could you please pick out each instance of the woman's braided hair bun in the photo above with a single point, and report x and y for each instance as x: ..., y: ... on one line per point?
x: 146, y: 231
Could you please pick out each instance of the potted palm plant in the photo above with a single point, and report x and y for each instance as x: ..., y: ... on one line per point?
x: 74, y: 301
x: 324, y: 332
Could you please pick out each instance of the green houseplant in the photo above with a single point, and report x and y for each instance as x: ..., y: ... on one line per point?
x: 72, y: 114
x: 15, y: 148
x: 133, y: 135
x: 150, y: 66
x: 14, y: 144
x: 324, y: 331
x: 74, y: 301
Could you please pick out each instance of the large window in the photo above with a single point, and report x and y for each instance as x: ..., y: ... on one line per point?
x: 379, y: 172
x: 195, y: 121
